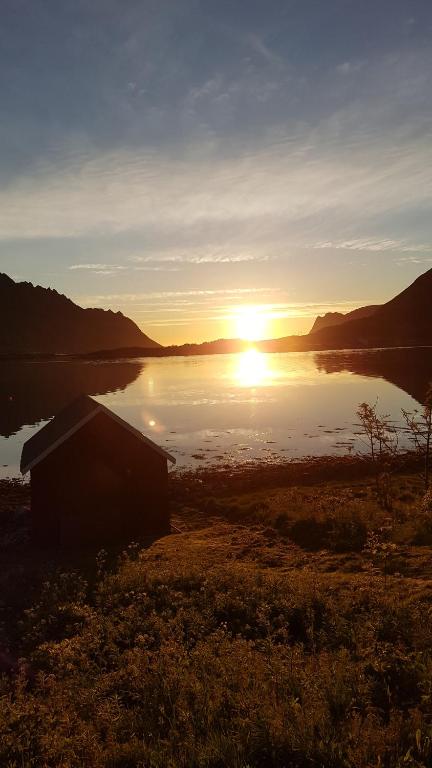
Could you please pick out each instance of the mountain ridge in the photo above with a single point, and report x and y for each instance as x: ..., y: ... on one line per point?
x: 337, y: 318
x: 405, y: 320
x: 39, y: 320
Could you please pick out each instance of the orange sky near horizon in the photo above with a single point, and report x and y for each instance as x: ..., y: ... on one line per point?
x: 191, y: 318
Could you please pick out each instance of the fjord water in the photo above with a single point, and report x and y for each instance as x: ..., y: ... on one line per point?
x: 221, y: 409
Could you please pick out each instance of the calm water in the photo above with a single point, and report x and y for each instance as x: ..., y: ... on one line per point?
x: 222, y: 408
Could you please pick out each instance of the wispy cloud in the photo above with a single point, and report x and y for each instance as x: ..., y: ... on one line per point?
x: 99, y: 269
x: 375, y: 246
x: 113, y: 269
x: 415, y: 260
x: 259, y: 46
x: 357, y: 166
x: 350, y: 67
x: 233, y: 293
x: 96, y: 266
x: 200, y: 258
x: 263, y: 197
x: 165, y: 308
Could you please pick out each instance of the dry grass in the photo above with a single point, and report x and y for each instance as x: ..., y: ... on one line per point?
x: 235, y: 643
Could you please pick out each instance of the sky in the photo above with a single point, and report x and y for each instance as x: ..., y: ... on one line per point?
x: 205, y: 164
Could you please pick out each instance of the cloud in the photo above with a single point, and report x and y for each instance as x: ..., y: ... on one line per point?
x: 97, y: 267
x: 260, y: 194
x: 166, y: 308
x: 233, y: 293
x: 414, y: 260
x: 199, y: 258
x: 350, y: 67
x: 113, y: 269
x: 375, y: 246
x: 259, y: 46
x: 269, y: 192
x: 343, y: 169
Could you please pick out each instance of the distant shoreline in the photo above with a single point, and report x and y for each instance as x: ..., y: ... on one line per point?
x: 189, y: 350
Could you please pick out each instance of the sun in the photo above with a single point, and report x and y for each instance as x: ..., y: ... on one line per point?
x: 251, y: 323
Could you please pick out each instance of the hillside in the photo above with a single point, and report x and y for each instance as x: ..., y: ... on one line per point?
x: 40, y: 320
x: 282, y: 624
x: 337, y: 318
x: 405, y: 320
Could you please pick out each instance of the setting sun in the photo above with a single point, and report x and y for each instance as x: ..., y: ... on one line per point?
x: 251, y: 323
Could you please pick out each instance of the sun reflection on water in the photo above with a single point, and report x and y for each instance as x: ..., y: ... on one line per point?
x: 252, y: 369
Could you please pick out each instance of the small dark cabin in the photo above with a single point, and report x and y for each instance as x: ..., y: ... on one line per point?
x: 95, y: 478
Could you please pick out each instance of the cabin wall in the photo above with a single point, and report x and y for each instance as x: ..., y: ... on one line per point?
x: 102, y: 484
x: 46, y: 499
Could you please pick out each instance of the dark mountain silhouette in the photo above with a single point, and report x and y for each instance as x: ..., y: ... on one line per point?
x: 337, y: 318
x: 406, y: 320
x: 40, y: 320
x: 33, y: 392
x: 408, y: 369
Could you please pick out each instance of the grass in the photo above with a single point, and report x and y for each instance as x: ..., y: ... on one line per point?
x: 287, y: 625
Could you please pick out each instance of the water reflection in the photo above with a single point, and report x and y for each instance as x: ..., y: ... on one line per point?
x: 222, y: 407
x: 33, y: 392
x: 253, y: 368
x: 409, y: 369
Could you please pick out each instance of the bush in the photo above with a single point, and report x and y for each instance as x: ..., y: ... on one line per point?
x: 423, y: 531
x: 337, y: 534
x: 195, y: 654
x: 180, y: 664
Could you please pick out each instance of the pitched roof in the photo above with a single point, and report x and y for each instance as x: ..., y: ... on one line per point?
x: 69, y: 421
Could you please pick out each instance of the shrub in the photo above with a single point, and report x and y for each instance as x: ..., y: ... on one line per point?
x: 310, y: 533
x: 423, y: 530
x: 337, y: 534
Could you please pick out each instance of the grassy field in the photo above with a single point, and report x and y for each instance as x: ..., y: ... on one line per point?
x: 286, y: 623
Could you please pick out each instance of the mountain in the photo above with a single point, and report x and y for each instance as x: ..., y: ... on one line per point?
x: 405, y: 320
x: 36, y: 320
x: 40, y: 320
x: 337, y: 318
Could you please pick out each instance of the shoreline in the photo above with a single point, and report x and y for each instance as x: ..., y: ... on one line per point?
x: 191, y: 350
x: 305, y: 471
x: 251, y: 475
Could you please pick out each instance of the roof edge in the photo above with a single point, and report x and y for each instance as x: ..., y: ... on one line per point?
x: 137, y: 433
x: 85, y: 420
x: 58, y: 442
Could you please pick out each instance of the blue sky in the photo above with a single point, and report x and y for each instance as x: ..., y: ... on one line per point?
x: 179, y: 160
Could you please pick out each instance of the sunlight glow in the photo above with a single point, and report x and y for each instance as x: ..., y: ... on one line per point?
x: 252, y: 369
x: 251, y: 323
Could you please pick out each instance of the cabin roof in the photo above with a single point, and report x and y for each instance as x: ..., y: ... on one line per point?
x: 69, y: 421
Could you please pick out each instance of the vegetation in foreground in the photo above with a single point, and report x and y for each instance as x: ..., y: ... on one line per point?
x: 288, y: 625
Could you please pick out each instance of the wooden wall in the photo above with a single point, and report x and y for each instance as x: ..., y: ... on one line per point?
x: 102, y: 484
